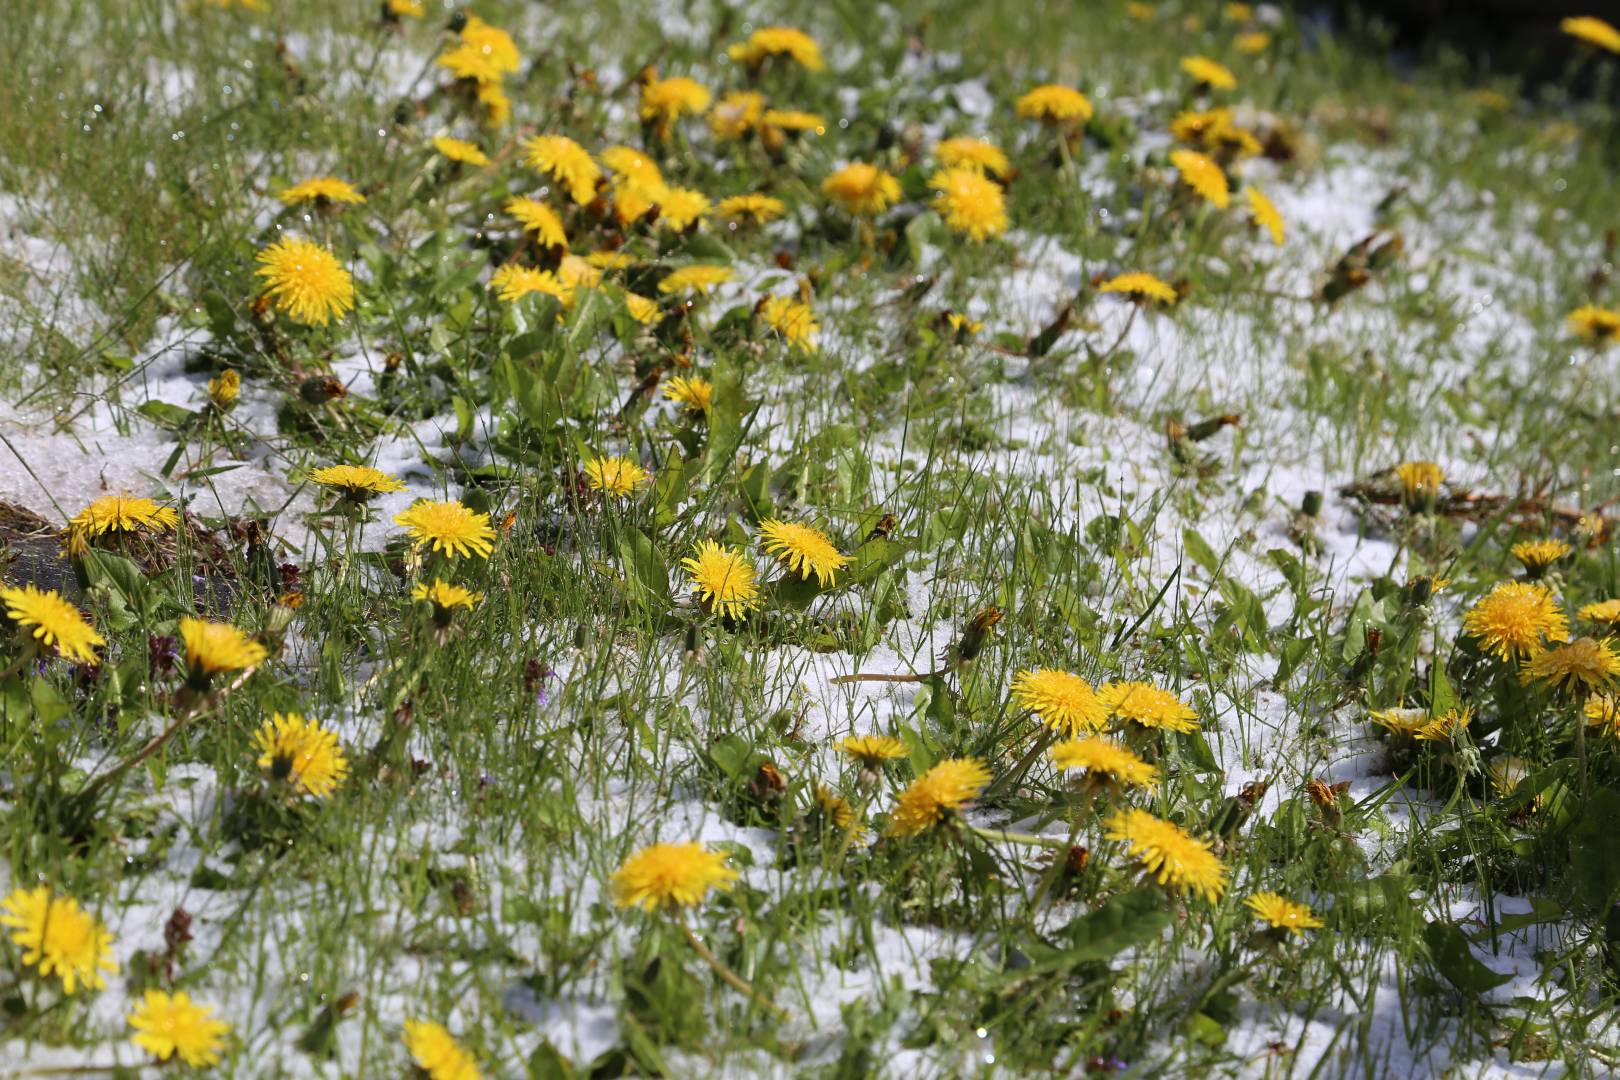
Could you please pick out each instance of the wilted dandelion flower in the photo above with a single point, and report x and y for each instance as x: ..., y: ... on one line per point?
x: 513, y: 282
x: 437, y: 1053
x: 356, y: 482
x: 449, y: 527
x: 723, y: 580
x: 1595, y: 325
x: 1263, y: 212
x: 1064, y: 702
x: 1139, y: 283
x: 802, y: 549
x: 302, y: 753
x: 694, y: 394
x: 214, y: 648
x: 1174, y: 856
x: 873, y: 750
x: 1592, y: 30
x: 939, y: 791
x: 122, y: 514
x: 615, y: 475
x: 698, y: 278
x: 1148, y: 706
x: 753, y: 206
x: 1207, y: 72
x: 1203, y: 176
x: 1538, y: 555
x: 1054, y: 103
x: 681, y: 208
x: 224, y: 389
x: 59, y: 937
x: 321, y: 189
x: 49, y: 619
x: 1584, y: 665
x: 460, y: 150
x: 770, y: 41
x: 671, y: 875
x: 1603, y: 711
x: 737, y: 114
x: 1514, y: 618
x: 565, y: 161
x: 168, y: 1025
x: 1420, y: 484
x: 862, y: 189
x: 664, y: 101
x: 1104, y: 759
x: 1281, y: 913
x: 796, y: 322
x: 970, y: 202
x: 964, y: 152
x: 538, y: 218
x: 305, y: 281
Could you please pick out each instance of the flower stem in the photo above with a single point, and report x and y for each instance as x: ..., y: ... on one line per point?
x: 1016, y: 774
x: 1005, y: 837
x: 737, y: 982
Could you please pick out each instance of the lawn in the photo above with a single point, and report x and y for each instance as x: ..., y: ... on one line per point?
x: 949, y: 539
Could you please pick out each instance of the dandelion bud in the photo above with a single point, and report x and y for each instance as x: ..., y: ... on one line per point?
x: 224, y: 388
x: 978, y: 632
x: 1420, y: 485
x: 319, y: 389
x: 1311, y: 504
x: 1205, y: 428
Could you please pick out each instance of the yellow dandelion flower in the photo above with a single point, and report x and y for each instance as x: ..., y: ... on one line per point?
x: 1197, y: 126
x: 539, y: 219
x: 436, y: 1052
x: 1507, y: 773
x: 643, y: 310
x: 578, y: 273
x: 666, y: 100
x: 796, y: 322
x: 1595, y: 325
x: 698, y: 278
x: 1211, y: 73
x: 633, y: 201
x: 1514, y: 619
x: 970, y: 202
x: 873, y: 750
x: 1592, y: 30
x: 1603, y: 711
x: 306, y: 282
x: 49, y: 619
x: 691, y: 392
x: 1402, y: 722
x: 631, y: 166
x: 671, y: 875
x: 834, y: 807
x: 1252, y: 43
x: 459, y: 151
x: 966, y: 152
x: 496, y: 105
x: 1263, y: 212
x: 737, y: 114
x: 1174, y: 856
x: 1054, y: 103
x: 1141, y: 12
x: 1445, y: 727
x: 1203, y: 176
x: 1538, y: 555
x: 301, y: 752
x: 723, y: 580
x: 356, y: 482
x: 794, y: 120
x: 494, y: 43
x: 615, y: 475
x: 566, y: 162
x: 1106, y: 759
x: 1066, y: 703
x: 611, y: 260
x: 449, y: 527
x: 470, y: 63
x: 770, y: 41
x: 213, y: 648
x: 1281, y: 913
x: 1139, y: 283
x: 168, y: 1025
x: 444, y: 596
x: 1237, y: 12
x: 681, y: 208
x: 225, y: 388
x: 123, y: 514
x: 59, y: 937
x: 939, y: 791
x: 1606, y: 612
x: 961, y: 326
x: 321, y: 189
x: 1420, y: 484
x: 862, y: 189
x: 1584, y: 665
x: 1148, y: 706
x: 411, y: 8
x: 512, y: 282
x: 753, y: 207
x: 802, y: 549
